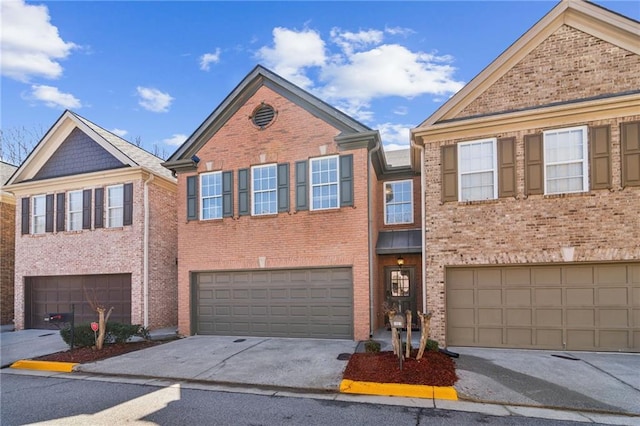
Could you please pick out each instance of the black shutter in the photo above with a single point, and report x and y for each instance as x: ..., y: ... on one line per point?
x: 60, y: 209
x: 243, y: 192
x: 48, y: 219
x: 302, y: 199
x: 99, y: 209
x: 227, y: 194
x: 534, y: 164
x: 507, y: 167
x: 86, y: 209
x: 283, y: 187
x: 127, y: 203
x: 600, y: 157
x: 346, y: 180
x: 630, y: 152
x: 192, y: 197
x: 26, y: 204
x: 449, y: 159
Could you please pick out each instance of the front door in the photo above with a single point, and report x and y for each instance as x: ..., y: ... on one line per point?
x: 400, y: 290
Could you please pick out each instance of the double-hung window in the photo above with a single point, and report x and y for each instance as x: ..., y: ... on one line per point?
x: 565, y: 159
x: 211, y: 195
x: 325, y: 193
x: 38, y: 217
x: 74, y: 211
x: 477, y: 165
x: 398, y: 202
x: 115, y: 206
x: 264, y: 188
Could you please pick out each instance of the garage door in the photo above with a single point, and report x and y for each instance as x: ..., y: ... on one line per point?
x: 57, y: 293
x: 314, y: 303
x: 576, y: 307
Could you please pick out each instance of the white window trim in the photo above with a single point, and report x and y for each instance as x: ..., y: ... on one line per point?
x: 494, y: 170
x: 69, y: 211
x: 584, y: 161
x: 109, y: 207
x: 253, y: 190
x: 311, y: 185
x: 200, y: 197
x: 384, y: 197
x: 34, y: 216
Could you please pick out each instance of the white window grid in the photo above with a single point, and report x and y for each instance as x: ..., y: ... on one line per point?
x: 264, y: 189
x: 477, y: 170
x: 566, y: 169
x: 38, y: 214
x: 115, y: 206
x: 324, y: 175
x: 74, y: 211
x: 211, y: 196
x: 398, y: 201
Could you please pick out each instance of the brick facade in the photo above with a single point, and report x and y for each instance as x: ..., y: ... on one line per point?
x: 294, y: 239
x: 7, y: 256
x: 109, y: 251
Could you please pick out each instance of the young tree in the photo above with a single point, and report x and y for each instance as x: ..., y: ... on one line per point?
x: 103, y: 316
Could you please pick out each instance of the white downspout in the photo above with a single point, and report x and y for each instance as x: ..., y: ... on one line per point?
x: 371, y: 243
x: 423, y: 226
x: 145, y: 266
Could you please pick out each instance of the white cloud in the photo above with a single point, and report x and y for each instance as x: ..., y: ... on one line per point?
x: 119, y: 132
x: 153, y: 99
x: 53, y: 98
x: 176, y: 139
x: 209, y: 58
x: 360, y: 68
x: 30, y: 44
x: 395, y: 136
x: 293, y: 52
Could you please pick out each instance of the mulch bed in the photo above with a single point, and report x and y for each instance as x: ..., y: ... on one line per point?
x: 434, y: 369
x: 90, y: 354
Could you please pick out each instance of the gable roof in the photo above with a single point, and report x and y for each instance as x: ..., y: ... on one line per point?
x: 582, y: 15
x: 350, y: 129
x: 6, y: 170
x: 125, y: 152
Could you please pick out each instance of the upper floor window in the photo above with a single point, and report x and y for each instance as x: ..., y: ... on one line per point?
x: 74, y: 211
x: 398, y: 202
x: 115, y: 206
x: 264, y: 188
x: 477, y: 165
x: 211, y: 195
x: 566, y: 161
x: 38, y: 218
x: 324, y: 183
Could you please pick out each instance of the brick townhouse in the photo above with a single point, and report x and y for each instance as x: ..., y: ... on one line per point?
x: 532, y: 191
x: 7, y: 245
x: 289, y: 215
x: 95, y: 219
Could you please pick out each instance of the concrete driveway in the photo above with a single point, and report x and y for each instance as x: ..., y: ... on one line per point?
x: 25, y: 344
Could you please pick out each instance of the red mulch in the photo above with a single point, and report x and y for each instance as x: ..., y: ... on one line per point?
x: 433, y: 369
x: 90, y: 354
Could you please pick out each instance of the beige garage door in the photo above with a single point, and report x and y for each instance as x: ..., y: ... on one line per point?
x: 314, y: 303
x: 576, y: 307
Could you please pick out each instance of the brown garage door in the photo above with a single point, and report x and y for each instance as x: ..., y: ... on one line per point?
x: 576, y: 307
x: 314, y: 303
x: 57, y: 293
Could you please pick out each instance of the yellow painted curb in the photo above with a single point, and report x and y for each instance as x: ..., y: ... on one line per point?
x: 399, y: 389
x: 27, y: 364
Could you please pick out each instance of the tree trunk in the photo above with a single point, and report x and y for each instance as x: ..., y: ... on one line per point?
x: 425, y: 324
x: 408, y: 344
x: 102, y: 326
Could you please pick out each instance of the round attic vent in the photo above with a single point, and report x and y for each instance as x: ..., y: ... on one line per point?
x: 263, y: 116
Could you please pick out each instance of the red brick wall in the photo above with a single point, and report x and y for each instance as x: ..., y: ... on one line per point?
x: 583, y: 66
x: 108, y: 251
x: 7, y: 258
x: 287, y: 240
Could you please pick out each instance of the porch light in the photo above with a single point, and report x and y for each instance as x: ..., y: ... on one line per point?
x: 400, y: 261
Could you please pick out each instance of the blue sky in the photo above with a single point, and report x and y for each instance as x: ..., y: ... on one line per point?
x: 154, y: 70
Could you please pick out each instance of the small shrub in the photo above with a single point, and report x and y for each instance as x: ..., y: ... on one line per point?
x: 371, y: 346
x: 432, y: 345
x: 115, y: 333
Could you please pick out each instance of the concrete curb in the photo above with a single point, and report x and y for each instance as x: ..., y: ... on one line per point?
x: 399, y: 389
x: 27, y: 364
